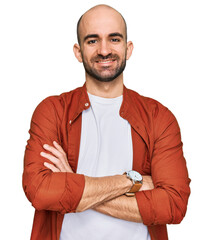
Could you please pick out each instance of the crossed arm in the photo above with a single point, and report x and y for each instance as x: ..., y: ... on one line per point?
x: 103, y: 194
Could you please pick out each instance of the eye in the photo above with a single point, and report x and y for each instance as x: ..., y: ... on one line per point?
x: 115, y: 40
x: 92, y: 41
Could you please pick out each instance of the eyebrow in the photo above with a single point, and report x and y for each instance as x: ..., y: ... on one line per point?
x: 116, y: 34
x: 90, y: 36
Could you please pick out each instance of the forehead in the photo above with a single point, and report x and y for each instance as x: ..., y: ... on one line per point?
x: 102, y: 21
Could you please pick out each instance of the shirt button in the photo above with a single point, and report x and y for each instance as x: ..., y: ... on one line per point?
x: 70, y: 122
x: 86, y: 104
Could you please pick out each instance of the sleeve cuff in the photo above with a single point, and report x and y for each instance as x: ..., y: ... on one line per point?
x: 144, y: 206
x: 72, y: 195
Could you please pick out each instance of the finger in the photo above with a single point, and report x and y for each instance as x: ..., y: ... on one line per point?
x: 54, y: 151
x: 58, y: 146
x: 65, y: 161
x: 61, y: 158
x: 49, y: 157
x: 147, y: 178
x: 51, y: 167
x: 54, y: 160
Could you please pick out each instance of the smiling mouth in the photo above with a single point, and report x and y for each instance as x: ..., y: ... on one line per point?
x: 105, y: 61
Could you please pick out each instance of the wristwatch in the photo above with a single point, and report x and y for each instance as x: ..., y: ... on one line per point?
x: 137, y: 181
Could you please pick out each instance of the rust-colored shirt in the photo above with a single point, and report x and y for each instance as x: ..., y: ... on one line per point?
x: 157, y: 151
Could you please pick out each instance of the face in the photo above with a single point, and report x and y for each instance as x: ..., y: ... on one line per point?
x: 103, y: 50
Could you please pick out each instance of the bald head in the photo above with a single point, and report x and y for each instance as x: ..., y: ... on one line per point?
x: 100, y: 12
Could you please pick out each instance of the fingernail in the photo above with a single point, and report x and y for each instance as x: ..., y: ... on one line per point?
x: 45, y: 146
x: 42, y: 153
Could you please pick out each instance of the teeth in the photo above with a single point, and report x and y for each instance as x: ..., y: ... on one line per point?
x: 105, y: 61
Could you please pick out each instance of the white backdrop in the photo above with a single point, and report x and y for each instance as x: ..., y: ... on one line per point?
x: 172, y: 62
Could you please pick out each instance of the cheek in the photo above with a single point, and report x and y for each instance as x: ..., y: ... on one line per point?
x: 87, y: 56
x: 121, y: 51
x: 88, y: 51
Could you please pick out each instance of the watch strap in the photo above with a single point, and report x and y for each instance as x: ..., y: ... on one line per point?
x: 135, y: 188
x: 130, y: 194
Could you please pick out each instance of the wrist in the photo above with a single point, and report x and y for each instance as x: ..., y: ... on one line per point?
x: 127, y: 183
x: 136, y: 179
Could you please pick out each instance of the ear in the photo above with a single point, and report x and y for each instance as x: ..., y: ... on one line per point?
x: 77, y: 52
x: 129, y: 49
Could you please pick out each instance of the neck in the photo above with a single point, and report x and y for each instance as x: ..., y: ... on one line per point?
x: 105, y: 89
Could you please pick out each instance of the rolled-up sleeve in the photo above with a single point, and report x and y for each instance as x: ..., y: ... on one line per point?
x: 45, y: 189
x: 167, y: 202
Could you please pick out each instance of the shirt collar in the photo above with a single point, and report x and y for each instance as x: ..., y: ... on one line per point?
x: 128, y: 111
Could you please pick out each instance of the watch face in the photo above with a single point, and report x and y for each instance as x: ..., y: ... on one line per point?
x: 134, y: 175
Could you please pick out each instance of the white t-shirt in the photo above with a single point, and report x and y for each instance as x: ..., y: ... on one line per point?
x: 105, y: 150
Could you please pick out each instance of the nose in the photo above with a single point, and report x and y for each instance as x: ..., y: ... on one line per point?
x: 104, y: 48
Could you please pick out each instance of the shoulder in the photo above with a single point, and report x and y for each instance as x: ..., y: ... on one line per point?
x: 147, y: 104
x: 56, y: 104
x: 63, y: 98
x: 157, y: 117
x: 152, y: 111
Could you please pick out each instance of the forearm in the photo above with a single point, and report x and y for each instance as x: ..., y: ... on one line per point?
x: 122, y: 207
x: 102, y: 189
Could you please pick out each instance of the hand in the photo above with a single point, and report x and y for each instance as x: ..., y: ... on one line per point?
x: 147, y: 183
x: 58, y: 157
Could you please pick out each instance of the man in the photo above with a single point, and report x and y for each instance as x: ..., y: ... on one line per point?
x: 84, y: 145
